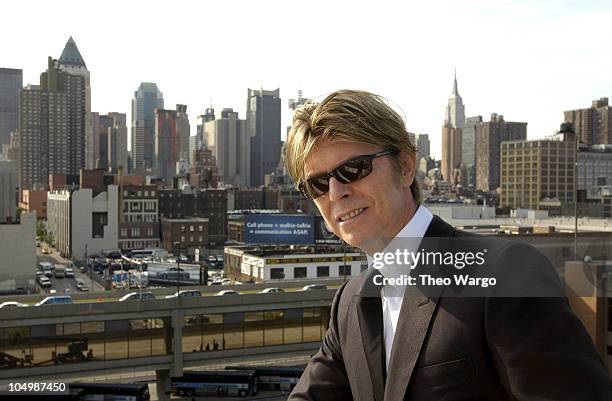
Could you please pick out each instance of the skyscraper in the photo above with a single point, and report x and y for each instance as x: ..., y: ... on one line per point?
x: 117, y: 143
x: 455, y: 110
x: 263, y: 121
x: 171, y: 140
x: 52, y: 123
x: 11, y: 82
x: 489, y: 136
x: 209, y: 115
x: 423, y: 146
x: 594, y: 125
x: 451, y: 135
x: 146, y: 99
x: 8, y: 193
x: 468, y: 151
x: 227, y: 139
x: 96, y: 146
x: 72, y: 63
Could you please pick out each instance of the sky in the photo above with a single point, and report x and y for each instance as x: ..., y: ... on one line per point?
x: 527, y: 60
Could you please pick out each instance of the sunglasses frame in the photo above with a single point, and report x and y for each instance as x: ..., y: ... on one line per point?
x: 334, y: 173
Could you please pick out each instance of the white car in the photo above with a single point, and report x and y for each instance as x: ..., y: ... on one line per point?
x: 12, y: 304
x: 227, y: 292
x: 271, y: 290
x: 69, y: 272
x: 185, y: 293
x: 135, y: 296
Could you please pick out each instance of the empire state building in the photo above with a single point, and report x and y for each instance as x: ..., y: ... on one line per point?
x: 451, y: 136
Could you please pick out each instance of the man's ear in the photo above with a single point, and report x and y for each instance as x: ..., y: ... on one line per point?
x: 408, y: 167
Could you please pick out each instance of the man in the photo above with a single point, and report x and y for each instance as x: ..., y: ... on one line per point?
x: 352, y: 155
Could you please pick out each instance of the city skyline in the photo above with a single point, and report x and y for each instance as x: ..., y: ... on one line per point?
x: 535, y: 62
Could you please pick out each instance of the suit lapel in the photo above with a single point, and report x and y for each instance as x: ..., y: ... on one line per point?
x: 414, y: 321
x: 369, y: 313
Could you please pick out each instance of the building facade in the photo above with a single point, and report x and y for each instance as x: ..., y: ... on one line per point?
x: 8, y: 191
x: 468, y: 151
x: 190, y: 233
x: 52, y: 126
x: 489, y: 136
x: 451, y: 136
x: 83, y: 220
x: 263, y: 122
x: 533, y: 171
x: 207, y: 203
x: 594, y: 124
x: 271, y: 263
x: 146, y: 99
x: 117, y: 144
x: 423, y: 146
x: 18, y: 249
x: 227, y: 139
x: 171, y: 140
x: 34, y: 201
x: 138, y: 217
x: 11, y: 82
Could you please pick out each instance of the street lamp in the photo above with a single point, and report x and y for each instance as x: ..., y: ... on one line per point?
x: 568, y: 128
x: 93, y: 264
x: 178, y: 267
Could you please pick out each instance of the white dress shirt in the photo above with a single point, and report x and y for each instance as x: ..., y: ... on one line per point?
x: 408, y: 238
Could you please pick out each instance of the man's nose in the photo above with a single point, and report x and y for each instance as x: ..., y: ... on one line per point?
x: 338, y: 190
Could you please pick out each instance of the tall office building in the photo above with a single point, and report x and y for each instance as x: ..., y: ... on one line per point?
x: 263, y: 121
x: 532, y: 171
x: 227, y: 139
x: 72, y: 63
x: 468, y: 151
x: 11, y: 82
x: 117, y: 143
x: 594, y: 125
x: 146, y: 99
x: 455, y: 110
x: 96, y: 148
x: 451, y: 136
x: 489, y: 136
x: 171, y: 140
x: 209, y: 115
x: 450, y: 163
x: 8, y: 191
x: 52, y: 124
x: 183, y: 130
x: 423, y: 146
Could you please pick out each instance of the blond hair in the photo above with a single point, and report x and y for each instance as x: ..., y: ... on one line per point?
x: 346, y: 115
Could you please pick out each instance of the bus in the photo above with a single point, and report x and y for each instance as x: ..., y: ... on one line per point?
x: 111, y: 391
x: 242, y: 383
x: 283, y: 378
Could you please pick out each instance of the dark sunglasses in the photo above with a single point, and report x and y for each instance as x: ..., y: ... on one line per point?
x: 349, y: 171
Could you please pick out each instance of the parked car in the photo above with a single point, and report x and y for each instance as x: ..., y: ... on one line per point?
x: 271, y: 290
x: 69, y: 272
x: 227, y: 292
x: 80, y: 285
x: 45, y: 250
x: 313, y: 287
x: 12, y: 304
x: 135, y: 296
x: 56, y: 300
x: 185, y: 293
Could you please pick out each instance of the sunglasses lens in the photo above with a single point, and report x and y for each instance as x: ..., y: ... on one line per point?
x: 353, y: 170
x: 317, y: 186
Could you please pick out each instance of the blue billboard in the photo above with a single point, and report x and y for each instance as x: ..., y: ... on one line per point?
x: 278, y: 229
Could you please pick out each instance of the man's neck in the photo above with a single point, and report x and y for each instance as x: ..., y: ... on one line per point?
x: 379, y: 244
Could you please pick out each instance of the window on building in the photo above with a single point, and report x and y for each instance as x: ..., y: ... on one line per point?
x: 322, y: 271
x: 277, y: 273
x: 344, y: 270
x: 299, y: 272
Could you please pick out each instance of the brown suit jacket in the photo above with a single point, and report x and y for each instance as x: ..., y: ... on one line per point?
x: 458, y: 348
